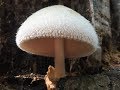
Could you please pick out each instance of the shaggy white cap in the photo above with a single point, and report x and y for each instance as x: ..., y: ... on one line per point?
x: 56, y: 22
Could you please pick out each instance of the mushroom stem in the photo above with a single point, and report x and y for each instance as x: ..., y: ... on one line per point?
x: 59, y: 58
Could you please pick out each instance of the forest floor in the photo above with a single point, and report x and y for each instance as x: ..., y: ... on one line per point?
x: 36, y: 82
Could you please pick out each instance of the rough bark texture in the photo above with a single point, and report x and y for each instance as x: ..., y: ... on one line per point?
x: 105, y: 81
x: 115, y: 29
x: 13, y: 61
x: 115, y: 16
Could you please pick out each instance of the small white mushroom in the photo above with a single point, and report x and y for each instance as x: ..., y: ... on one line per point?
x: 57, y: 31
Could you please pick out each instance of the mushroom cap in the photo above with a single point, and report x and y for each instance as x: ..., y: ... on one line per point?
x: 36, y: 35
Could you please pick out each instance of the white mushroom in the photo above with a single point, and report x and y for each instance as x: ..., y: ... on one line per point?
x: 57, y: 31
